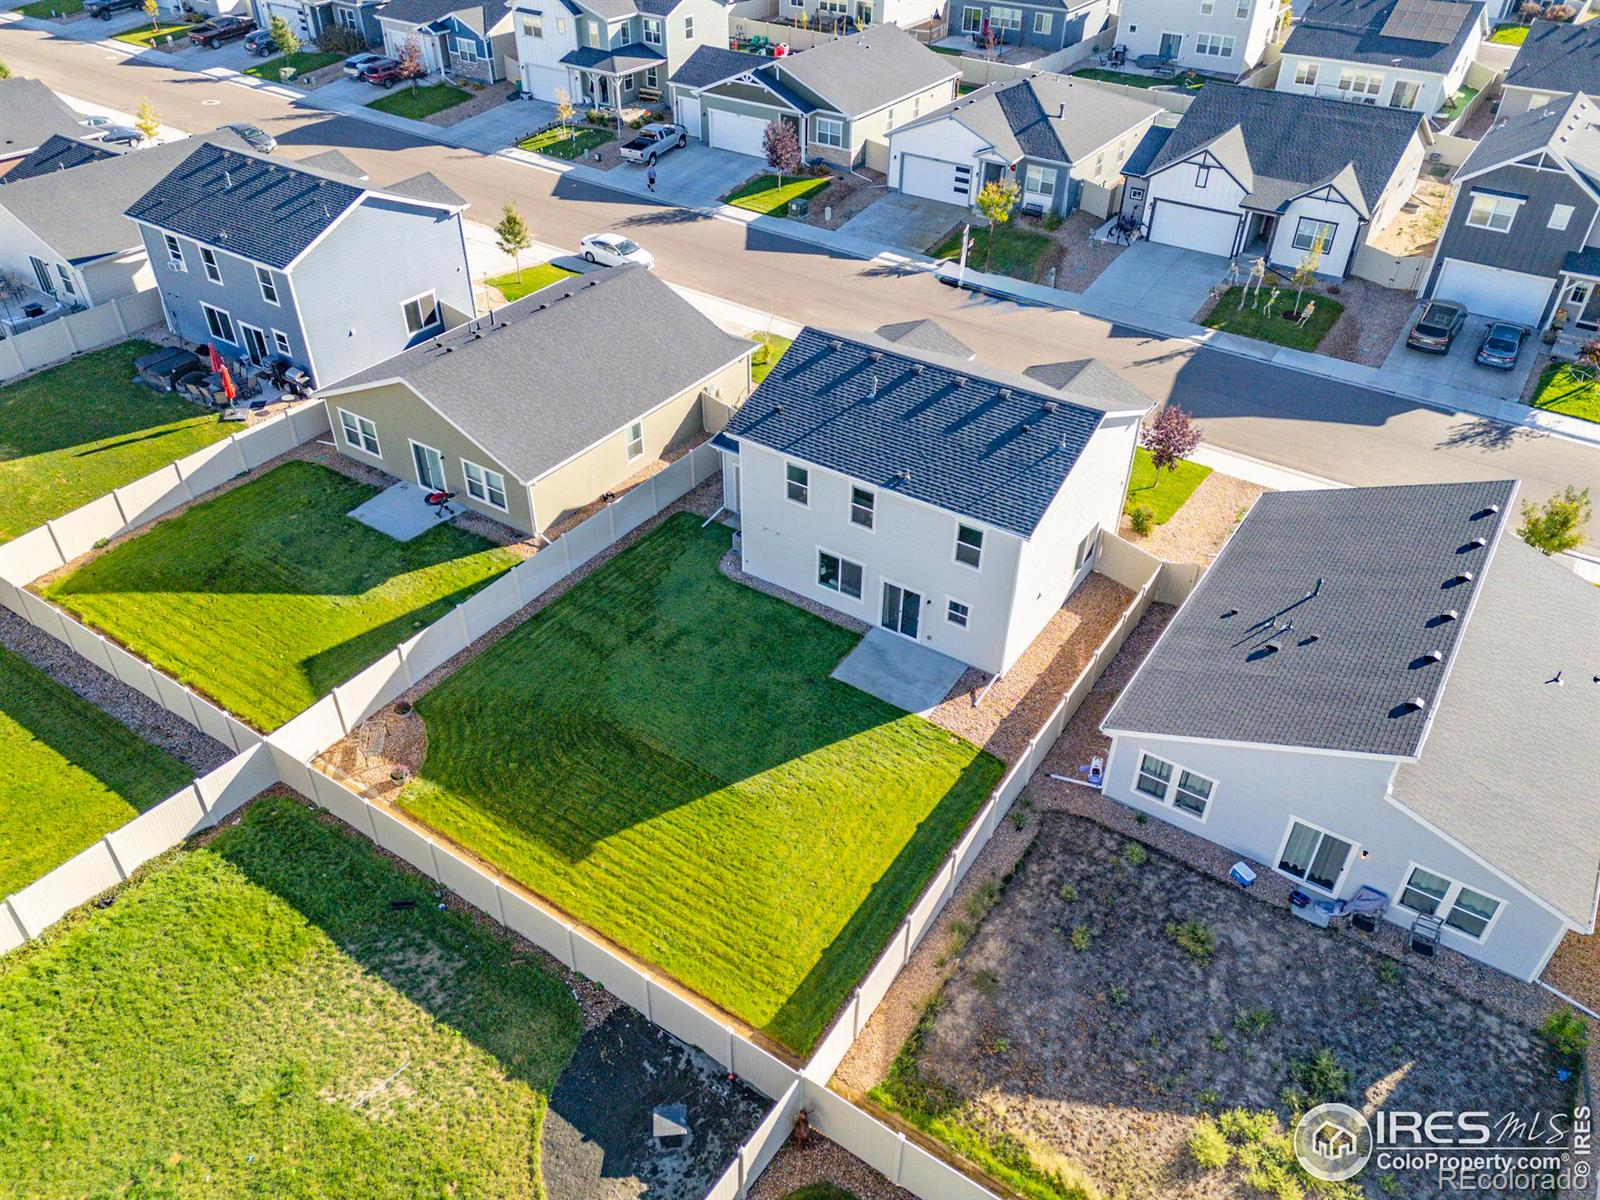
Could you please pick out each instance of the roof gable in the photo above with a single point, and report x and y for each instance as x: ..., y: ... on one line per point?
x: 866, y: 71
x: 57, y: 153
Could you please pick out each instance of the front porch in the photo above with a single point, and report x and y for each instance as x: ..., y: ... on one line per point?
x: 614, y: 80
x: 1576, y: 317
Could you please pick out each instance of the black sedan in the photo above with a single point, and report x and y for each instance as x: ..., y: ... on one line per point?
x: 1436, y: 329
x: 1501, y: 345
x: 260, y: 43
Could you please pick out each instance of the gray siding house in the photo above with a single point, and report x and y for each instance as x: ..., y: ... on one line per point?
x: 1555, y: 62
x: 462, y: 40
x: 1356, y: 696
x: 273, y: 260
x: 1050, y: 25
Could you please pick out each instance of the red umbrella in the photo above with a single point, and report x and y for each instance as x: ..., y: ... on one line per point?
x: 228, y: 389
x: 216, y: 360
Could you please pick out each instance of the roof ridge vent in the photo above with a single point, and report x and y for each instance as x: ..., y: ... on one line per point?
x: 1447, y: 616
x: 1488, y: 510
x: 960, y: 381
x: 903, y: 475
x: 875, y: 355
x: 917, y: 368
x: 1433, y: 656
x: 1004, y: 393
x: 1415, y: 704
x: 1459, y: 578
x: 1477, y: 543
x: 836, y: 344
x: 1051, y: 406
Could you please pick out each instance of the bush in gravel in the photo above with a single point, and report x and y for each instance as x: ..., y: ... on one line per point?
x: 1566, y: 1032
x: 1118, y: 996
x: 1141, y: 517
x: 1218, y: 1042
x: 1082, y: 939
x: 1069, y: 892
x: 1207, y: 1146
x: 335, y: 39
x: 1387, y: 971
x: 1322, y: 1076
x: 1196, y: 939
x: 986, y: 982
x: 983, y: 898
x: 1135, y: 855
x: 1254, y: 1021
x: 1207, y: 1098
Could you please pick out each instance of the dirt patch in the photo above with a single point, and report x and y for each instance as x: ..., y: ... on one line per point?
x: 1416, y: 230
x: 822, y: 1161
x: 597, y: 1141
x: 477, y: 102
x: 845, y: 195
x: 1373, y: 318
x: 1197, y: 531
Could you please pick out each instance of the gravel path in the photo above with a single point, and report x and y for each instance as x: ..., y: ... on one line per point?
x: 822, y: 1161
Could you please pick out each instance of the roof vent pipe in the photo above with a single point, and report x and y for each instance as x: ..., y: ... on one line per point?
x: 1416, y: 704
x: 227, y: 181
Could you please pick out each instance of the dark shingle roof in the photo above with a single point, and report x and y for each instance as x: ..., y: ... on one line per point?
x: 29, y: 114
x: 713, y: 64
x: 426, y: 12
x: 1314, y: 625
x: 1362, y: 31
x: 624, y: 58
x: 1570, y: 128
x: 866, y: 71
x: 58, y: 153
x: 542, y: 379
x: 982, y: 443
x: 1583, y: 262
x: 925, y: 335
x: 1558, y: 58
x: 1145, y: 152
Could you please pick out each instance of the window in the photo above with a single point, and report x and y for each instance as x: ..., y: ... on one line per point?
x: 359, y: 433
x: 1314, y: 856
x: 175, y: 254
x: 1360, y: 85
x: 1005, y: 18
x: 1243, y: 11
x: 280, y: 341
x: 66, y: 280
x: 1193, y: 794
x: 652, y: 78
x: 1472, y: 912
x: 561, y: 26
x: 1041, y: 181
x: 533, y: 27
x: 485, y: 485
x: 1154, y: 779
x: 797, y: 482
x: 1206, y: 7
x: 1154, y: 776
x: 269, y: 290
x: 862, y: 504
x: 839, y: 574
x: 1306, y: 74
x: 1215, y: 44
x: 652, y: 32
x: 957, y: 613
x: 971, y: 20
x: 688, y: 28
x: 208, y: 260
x: 1425, y: 892
x: 1464, y: 910
x: 969, y: 545
x: 1202, y: 176
x: 220, y: 324
x: 422, y: 313
x: 1492, y: 212
x: 828, y: 131
x: 1309, y: 230
x: 1086, y: 548
x: 1560, y: 216
x: 466, y: 49
x: 1041, y: 22
x: 635, y: 440
x: 1405, y: 93
x: 594, y: 34
x: 916, y: 107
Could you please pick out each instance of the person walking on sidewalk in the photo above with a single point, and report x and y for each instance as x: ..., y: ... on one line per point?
x: 650, y: 178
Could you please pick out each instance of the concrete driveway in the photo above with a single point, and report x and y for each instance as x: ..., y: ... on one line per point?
x: 1458, y: 368
x: 504, y: 124
x: 696, y: 176
x: 1166, y: 281
x: 231, y: 55
x: 910, y: 222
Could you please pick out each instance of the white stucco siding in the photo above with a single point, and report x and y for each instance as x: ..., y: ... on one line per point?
x: 1257, y: 792
x: 1430, y: 84
x: 1335, y: 252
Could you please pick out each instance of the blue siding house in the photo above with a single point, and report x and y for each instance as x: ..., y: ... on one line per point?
x: 1050, y: 25
x: 271, y: 260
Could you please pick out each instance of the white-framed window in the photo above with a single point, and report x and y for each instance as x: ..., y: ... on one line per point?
x: 1309, y: 229
x: 561, y: 26
x: 1306, y: 74
x: 1005, y: 18
x: 958, y: 614
x: 1086, y: 548
x: 635, y: 440
x: 971, y: 19
x: 533, y: 27
x: 269, y: 289
x: 1040, y: 181
x: 1218, y: 45
x: 652, y: 77
x: 174, y: 253
x: 863, y: 507
x: 969, y: 546
x: 484, y: 485
x: 1405, y: 93
x: 422, y: 312
x: 1492, y: 212
x: 839, y: 574
x: 1243, y: 10
x: 220, y: 324
x: 1560, y: 216
x: 1360, y: 85
x: 280, y: 341
x: 653, y: 35
x: 1206, y: 7
x: 1170, y: 783
x: 359, y: 433
x: 1154, y: 777
x: 1193, y: 793
x: 1464, y: 909
x: 828, y: 131
x: 916, y: 107
x: 208, y: 260
x: 596, y: 35
x: 66, y: 280
x: 1314, y: 856
x: 688, y: 28
x: 466, y: 49
x: 1041, y: 22
x: 1202, y: 176
x: 797, y: 484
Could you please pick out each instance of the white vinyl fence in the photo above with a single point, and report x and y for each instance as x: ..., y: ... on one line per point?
x: 58, y: 340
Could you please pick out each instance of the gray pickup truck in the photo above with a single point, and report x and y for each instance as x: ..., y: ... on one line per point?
x: 654, y: 140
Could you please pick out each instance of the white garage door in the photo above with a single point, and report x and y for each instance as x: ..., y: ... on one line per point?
x: 935, y: 179
x: 737, y: 132
x: 689, y: 114
x: 544, y: 82
x: 1193, y: 228
x: 1492, y: 292
x: 291, y: 13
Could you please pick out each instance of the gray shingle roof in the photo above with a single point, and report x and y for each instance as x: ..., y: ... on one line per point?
x: 624, y: 58
x: 714, y: 64
x: 1145, y: 152
x: 1571, y: 128
x: 1288, y: 143
x: 1354, y: 31
x: 982, y: 443
x: 1313, y: 626
x: 545, y: 378
x: 426, y: 12
x: 29, y: 114
x: 1558, y: 58
x: 866, y: 71
x: 925, y: 335
x: 57, y: 153
x: 334, y: 163
x: 1583, y: 262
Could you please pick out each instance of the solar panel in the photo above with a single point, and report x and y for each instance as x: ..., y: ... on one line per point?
x: 1426, y: 20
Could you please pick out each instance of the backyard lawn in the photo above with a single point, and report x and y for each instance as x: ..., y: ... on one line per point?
x: 662, y: 754
x: 149, y: 37
x: 514, y: 285
x: 75, y: 432
x: 1016, y: 251
x: 72, y: 773
x: 267, y: 596
x: 568, y: 143
x: 1562, y: 390
x: 772, y: 349
x: 1255, y: 323
x: 304, y: 62
x: 420, y: 102
x: 1162, y: 492
x: 763, y: 195
x: 253, y: 1018
x: 1130, y: 79
x: 1510, y: 35
x: 50, y: 8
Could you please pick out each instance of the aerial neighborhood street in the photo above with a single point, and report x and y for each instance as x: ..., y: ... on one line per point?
x: 701, y: 599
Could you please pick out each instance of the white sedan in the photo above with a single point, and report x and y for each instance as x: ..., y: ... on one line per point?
x: 614, y: 250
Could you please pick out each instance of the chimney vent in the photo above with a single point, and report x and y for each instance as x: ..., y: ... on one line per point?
x: 1460, y: 578
x: 960, y: 381
x: 836, y: 344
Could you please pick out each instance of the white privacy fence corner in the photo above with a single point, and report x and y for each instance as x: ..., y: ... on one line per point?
x: 88, y: 329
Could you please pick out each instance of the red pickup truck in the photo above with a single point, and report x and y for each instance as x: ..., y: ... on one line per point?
x: 214, y: 32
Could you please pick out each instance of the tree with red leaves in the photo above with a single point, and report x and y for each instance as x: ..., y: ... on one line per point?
x: 1172, y: 436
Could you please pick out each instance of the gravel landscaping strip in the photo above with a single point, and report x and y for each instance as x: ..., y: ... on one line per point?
x: 822, y: 1161
x: 1575, y: 969
x: 1197, y: 531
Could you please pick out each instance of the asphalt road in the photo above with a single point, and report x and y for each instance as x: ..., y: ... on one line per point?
x: 1345, y: 433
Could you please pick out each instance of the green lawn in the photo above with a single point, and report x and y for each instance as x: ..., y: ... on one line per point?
x: 514, y: 285
x: 763, y: 195
x: 253, y: 1019
x: 267, y: 596
x: 1562, y: 390
x: 1129, y: 79
x: 420, y: 102
x: 1163, y: 492
x: 568, y: 143
x: 1510, y: 35
x: 72, y: 773
x: 1458, y: 103
x: 304, y: 62
x: 75, y: 432
x: 1253, y: 323
x: 149, y: 37
x: 662, y: 754
x: 49, y: 8
x: 772, y: 347
x: 1016, y: 251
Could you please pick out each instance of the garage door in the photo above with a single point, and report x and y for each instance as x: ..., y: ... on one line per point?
x: 1200, y: 229
x: 935, y: 179
x: 543, y: 82
x: 689, y: 114
x: 291, y: 13
x: 1492, y: 292
x: 737, y: 132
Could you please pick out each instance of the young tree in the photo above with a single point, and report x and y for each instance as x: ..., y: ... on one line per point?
x: 1305, y: 275
x: 1587, y: 364
x: 5, y: 71
x: 152, y: 9
x: 412, y: 68
x: 283, y: 37
x: 1172, y: 436
x: 148, y: 121
x: 512, y: 236
x: 997, y: 200
x: 781, y: 144
x: 564, y: 110
x: 1557, y: 524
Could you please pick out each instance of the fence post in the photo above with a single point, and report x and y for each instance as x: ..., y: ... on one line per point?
x: 11, y: 908
x: 899, y: 1159
x: 115, y: 861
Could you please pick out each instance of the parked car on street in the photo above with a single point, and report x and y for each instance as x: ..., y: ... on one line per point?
x: 654, y: 140
x: 353, y: 64
x: 104, y: 9
x: 211, y: 34
x: 123, y: 135
x: 1435, y: 331
x: 614, y: 250
x: 1501, y: 345
x: 384, y: 72
x: 253, y: 136
x: 260, y: 43
x: 96, y: 125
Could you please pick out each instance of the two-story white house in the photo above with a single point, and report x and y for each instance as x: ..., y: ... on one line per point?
x: 1411, y: 54
x: 1384, y: 688
x: 604, y: 53
x: 890, y: 477
x: 1221, y: 37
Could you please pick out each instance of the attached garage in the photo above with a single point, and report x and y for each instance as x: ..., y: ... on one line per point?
x: 689, y: 113
x: 543, y: 82
x: 1203, y: 229
x: 738, y: 132
x: 1494, y: 292
x: 936, y: 179
x: 292, y: 13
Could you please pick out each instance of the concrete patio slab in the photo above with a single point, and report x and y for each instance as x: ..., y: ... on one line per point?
x: 1459, y: 368
x: 906, y: 221
x: 401, y: 511
x: 899, y: 671
x: 1166, y: 281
